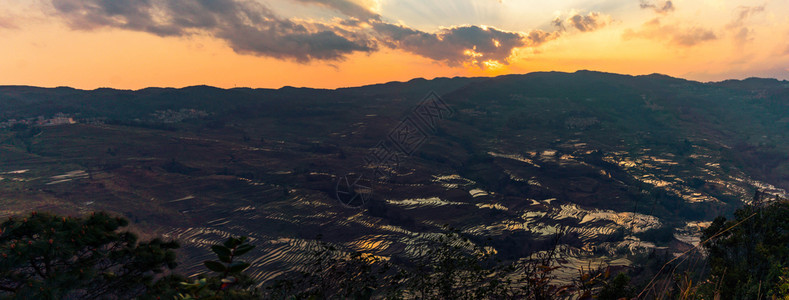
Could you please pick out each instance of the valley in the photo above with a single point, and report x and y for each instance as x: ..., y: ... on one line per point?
x: 624, y: 165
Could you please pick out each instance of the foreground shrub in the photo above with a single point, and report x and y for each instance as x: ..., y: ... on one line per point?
x: 44, y: 256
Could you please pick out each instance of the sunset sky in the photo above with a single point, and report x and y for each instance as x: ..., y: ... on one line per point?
x: 337, y: 43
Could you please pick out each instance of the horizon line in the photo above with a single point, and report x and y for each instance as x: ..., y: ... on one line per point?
x: 384, y: 83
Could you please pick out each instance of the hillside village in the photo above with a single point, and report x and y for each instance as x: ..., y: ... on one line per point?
x: 57, y: 119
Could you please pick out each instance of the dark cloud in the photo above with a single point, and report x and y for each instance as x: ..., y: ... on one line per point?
x: 346, y: 7
x: 692, y: 36
x: 674, y: 34
x: 589, y: 22
x: 666, y: 8
x: 461, y: 44
x: 538, y: 37
x: 247, y: 26
x: 250, y: 27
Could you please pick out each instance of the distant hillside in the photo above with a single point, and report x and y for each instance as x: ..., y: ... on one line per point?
x: 629, y: 164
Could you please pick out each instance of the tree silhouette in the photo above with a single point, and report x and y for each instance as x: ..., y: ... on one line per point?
x: 44, y: 256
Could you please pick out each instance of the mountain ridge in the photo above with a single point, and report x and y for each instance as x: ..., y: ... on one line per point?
x: 410, y: 81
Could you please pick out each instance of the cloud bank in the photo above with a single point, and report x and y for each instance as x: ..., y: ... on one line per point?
x: 247, y: 26
x: 456, y: 45
x: 250, y: 27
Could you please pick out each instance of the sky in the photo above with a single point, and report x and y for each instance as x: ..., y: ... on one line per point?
x: 129, y: 44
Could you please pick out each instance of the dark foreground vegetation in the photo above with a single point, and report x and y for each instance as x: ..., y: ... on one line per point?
x: 45, y: 256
